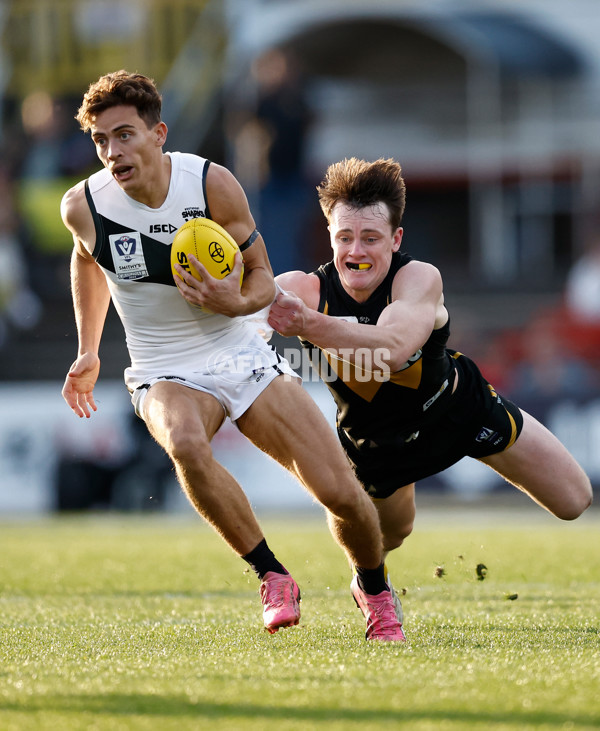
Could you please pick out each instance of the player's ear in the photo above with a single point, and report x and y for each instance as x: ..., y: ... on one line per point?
x: 160, y: 132
x: 397, y: 240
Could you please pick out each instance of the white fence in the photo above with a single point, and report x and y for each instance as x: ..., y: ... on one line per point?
x: 38, y: 431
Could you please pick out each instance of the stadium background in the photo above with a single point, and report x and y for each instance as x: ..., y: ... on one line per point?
x: 493, y: 110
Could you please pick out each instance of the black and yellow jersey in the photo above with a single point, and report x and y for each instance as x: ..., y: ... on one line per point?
x: 372, y: 409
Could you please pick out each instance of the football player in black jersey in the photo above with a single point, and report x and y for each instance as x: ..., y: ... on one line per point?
x: 375, y: 324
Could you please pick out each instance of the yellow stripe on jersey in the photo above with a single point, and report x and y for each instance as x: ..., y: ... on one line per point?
x: 365, y: 385
x: 513, y: 430
x: 492, y: 390
x: 346, y: 371
x: 409, y: 377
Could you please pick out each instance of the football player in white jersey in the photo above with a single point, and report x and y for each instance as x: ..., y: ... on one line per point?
x: 123, y: 220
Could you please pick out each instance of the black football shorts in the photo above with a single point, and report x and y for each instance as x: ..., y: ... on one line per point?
x: 479, y: 422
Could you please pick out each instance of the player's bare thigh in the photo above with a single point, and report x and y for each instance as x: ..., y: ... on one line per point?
x: 287, y: 424
x: 540, y: 465
x: 172, y: 410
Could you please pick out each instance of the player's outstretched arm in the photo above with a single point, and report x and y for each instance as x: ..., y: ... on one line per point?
x: 403, y: 327
x: 91, y: 298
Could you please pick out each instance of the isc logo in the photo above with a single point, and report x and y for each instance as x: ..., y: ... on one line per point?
x: 162, y: 228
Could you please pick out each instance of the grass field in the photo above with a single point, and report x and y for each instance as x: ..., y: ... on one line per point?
x: 151, y: 623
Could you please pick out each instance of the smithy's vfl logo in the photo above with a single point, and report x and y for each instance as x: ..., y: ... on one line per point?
x: 128, y: 255
x: 125, y: 247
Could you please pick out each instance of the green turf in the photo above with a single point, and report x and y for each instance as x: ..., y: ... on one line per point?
x: 151, y: 623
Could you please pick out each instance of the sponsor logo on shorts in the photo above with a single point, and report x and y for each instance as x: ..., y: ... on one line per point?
x: 488, y: 435
x: 436, y: 396
x: 239, y: 365
x: 494, y: 394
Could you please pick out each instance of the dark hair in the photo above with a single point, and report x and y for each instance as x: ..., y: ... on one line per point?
x: 360, y: 183
x: 119, y: 88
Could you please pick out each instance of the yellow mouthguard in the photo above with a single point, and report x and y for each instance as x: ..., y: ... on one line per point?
x: 364, y: 266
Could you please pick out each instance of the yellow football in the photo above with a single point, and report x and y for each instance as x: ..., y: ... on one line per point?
x: 209, y: 242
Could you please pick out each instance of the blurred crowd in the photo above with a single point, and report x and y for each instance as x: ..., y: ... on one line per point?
x: 40, y: 147
x: 20, y: 305
x: 557, y: 353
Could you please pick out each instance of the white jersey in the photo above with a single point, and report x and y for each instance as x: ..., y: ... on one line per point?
x: 133, y: 247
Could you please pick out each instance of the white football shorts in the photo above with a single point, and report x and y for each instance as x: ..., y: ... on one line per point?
x: 235, y: 375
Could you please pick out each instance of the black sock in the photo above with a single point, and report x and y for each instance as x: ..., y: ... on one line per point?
x: 262, y: 560
x: 372, y: 581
